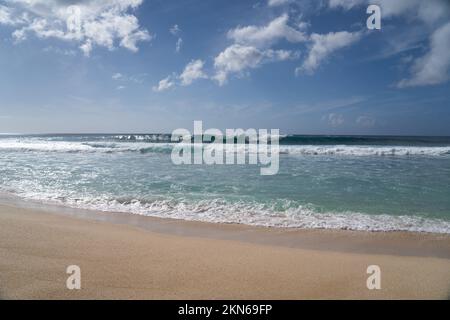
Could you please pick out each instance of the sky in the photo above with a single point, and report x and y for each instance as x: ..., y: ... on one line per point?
x: 301, y: 66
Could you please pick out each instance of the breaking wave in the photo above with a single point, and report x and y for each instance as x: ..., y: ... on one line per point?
x: 281, y: 214
x: 30, y: 145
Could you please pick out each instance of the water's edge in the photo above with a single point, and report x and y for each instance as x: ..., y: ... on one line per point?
x: 396, y: 243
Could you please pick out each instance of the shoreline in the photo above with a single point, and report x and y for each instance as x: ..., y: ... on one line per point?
x: 402, y: 243
x: 122, y: 261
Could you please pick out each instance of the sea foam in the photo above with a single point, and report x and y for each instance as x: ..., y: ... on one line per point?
x: 253, y: 214
x: 30, y: 145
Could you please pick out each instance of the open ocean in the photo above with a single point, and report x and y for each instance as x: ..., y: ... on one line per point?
x: 338, y: 182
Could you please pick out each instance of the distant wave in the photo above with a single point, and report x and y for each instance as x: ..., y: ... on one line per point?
x: 318, y: 140
x: 81, y: 147
x: 143, y: 137
x: 366, y: 150
x: 38, y: 145
x: 366, y: 140
x: 313, y: 140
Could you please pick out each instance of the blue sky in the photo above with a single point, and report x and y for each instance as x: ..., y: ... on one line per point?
x: 303, y: 66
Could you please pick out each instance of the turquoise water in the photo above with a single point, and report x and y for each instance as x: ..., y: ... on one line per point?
x: 359, y: 183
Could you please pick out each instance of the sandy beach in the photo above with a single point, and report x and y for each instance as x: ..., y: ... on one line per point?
x: 120, y: 261
x: 225, y: 150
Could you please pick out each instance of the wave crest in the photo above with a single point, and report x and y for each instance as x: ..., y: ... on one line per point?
x: 280, y: 214
x: 166, y: 147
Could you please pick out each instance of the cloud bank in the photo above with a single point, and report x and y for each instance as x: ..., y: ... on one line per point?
x: 89, y: 23
x: 434, y: 66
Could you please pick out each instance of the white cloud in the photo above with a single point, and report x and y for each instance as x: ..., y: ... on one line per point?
x: 175, y: 30
x: 56, y: 50
x: 428, y: 11
x: 90, y: 23
x: 280, y: 55
x: 12, y: 17
x: 433, y: 67
x: 6, y: 16
x: 323, y: 45
x: 178, y: 45
x: 335, y: 119
x: 346, y: 4
x: 117, y: 76
x: 193, y: 71
x: 164, y: 84
x: 274, y: 3
x: 365, y: 121
x: 433, y: 10
x: 236, y: 58
x: 137, y: 78
x: 86, y: 47
x: 265, y: 36
x: 252, y: 47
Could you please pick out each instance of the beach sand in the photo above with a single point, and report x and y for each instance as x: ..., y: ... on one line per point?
x: 120, y: 261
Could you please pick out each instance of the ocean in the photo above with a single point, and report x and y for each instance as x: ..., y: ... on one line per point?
x: 333, y: 182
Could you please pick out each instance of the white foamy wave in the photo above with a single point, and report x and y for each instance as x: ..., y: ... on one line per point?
x: 45, y: 146
x: 40, y: 145
x: 145, y: 137
x: 255, y: 214
x: 345, y: 150
x: 79, y: 147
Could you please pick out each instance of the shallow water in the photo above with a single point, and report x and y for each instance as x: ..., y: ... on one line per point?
x: 359, y: 183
